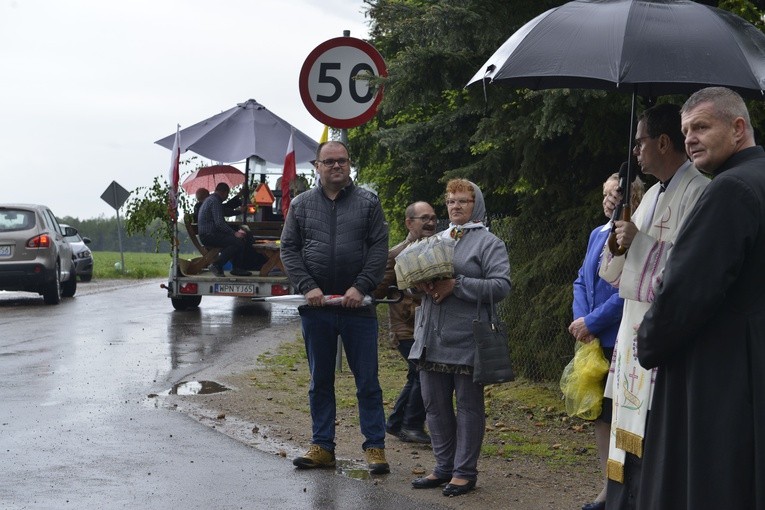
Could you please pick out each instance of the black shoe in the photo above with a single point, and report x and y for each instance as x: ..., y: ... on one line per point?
x: 240, y: 272
x: 598, y: 505
x: 428, y: 483
x: 458, y: 490
x: 216, y: 270
x: 414, y: 436
x: 392, y: 431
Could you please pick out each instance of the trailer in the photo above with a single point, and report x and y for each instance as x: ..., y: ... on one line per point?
x: 189, y: 280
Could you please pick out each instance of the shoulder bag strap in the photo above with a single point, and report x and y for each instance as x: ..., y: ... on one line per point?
x: 492, y: 310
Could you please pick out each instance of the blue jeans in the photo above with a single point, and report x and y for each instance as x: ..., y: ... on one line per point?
x: 409, y: 411
x: 321, y: 327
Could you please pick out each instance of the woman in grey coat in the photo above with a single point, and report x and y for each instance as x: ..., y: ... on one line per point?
x: 444, y: 346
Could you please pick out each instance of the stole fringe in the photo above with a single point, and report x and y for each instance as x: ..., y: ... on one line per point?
x: 615, y: 471
x: 629, y: 442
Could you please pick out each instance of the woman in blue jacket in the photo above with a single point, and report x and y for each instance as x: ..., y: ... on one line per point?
x: 597, y: 314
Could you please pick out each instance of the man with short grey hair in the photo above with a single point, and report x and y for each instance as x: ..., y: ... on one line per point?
x: 407, y: 420
x: 705, y: 444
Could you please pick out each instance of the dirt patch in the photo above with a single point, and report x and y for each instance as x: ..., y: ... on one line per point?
x: 533, y: 455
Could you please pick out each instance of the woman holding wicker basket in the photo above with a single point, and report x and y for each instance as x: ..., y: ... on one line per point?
x: 444, y: 345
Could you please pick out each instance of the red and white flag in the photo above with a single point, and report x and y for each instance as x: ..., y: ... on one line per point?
x: 174, y: 177
x: 289, y: 173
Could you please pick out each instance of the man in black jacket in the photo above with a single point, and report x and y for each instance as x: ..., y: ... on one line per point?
x: 335, y: 242
x: 705, y: 442
x: 214, y: 231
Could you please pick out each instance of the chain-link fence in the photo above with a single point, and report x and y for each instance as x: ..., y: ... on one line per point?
x: 543, y: 265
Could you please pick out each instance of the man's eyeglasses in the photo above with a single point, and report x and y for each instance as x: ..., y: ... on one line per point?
x: 639, y: 142
x: 329, y: 163
x: 463, y: 202
x: 425, y: 218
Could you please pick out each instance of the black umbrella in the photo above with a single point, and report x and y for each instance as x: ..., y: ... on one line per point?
x: 644, y: 47
x: 647, y: 47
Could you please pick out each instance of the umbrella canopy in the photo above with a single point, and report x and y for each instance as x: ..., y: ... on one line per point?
x: 646, y: 47
x: 649, y: 48
x: 209, y: 176
x: 248, y: 129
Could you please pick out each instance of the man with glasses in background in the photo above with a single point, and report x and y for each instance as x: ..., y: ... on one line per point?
x: 407, y: 421
x: 648, y: 238
x: 335, y: 241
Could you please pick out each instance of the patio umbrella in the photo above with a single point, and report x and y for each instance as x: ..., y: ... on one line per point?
x: 248, y: 129
x: 644, y: 47
x: 209, y: 176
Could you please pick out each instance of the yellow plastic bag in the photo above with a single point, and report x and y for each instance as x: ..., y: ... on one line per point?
x: 582, y: 382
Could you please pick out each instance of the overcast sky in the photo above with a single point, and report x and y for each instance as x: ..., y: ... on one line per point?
x: 89, y: 85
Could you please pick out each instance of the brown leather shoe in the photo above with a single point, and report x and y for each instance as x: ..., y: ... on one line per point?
x: 315, y: 457
x: 376, y: 461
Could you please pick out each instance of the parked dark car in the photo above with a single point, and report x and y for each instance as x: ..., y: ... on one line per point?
x: 83, y: 257
x: 34, y: 257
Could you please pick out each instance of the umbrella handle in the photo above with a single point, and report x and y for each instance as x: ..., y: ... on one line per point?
x: 613, y: 244
x: 624, y: 209
x: 393, y: 295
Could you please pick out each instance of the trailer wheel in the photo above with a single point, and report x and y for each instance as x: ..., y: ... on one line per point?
x: 186, y: 302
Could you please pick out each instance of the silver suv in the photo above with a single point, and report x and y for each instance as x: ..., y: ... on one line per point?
x: 34, y: 257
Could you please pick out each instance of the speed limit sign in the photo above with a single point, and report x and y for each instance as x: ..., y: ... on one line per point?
x: 334, y: 82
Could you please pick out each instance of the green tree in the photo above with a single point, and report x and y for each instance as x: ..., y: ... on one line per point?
x: 148, y: 212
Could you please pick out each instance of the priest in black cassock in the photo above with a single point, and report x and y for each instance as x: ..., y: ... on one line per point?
x: 705, y: 441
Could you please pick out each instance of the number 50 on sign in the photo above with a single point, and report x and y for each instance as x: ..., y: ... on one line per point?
x: 334, y: 82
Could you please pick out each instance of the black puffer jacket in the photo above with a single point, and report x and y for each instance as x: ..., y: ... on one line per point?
x: 335, y: 244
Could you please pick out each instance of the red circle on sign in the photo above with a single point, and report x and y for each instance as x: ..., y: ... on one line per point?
x: 310, y: 61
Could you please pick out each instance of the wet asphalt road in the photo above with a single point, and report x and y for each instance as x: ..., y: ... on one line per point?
x: 79, y: 430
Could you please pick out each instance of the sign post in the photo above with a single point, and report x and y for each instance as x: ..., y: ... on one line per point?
x: 336, y: 82
x: 115, y: 195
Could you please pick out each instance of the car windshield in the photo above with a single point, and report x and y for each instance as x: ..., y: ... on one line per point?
x: 16, y: 219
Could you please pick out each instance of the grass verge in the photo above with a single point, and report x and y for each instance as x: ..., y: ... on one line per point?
x: 523, y: 418
x: 108, y: 264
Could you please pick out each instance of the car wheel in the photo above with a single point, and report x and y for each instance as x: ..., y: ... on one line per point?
x: 186, y: 302
x: 52, y: 290
x: 70, y: 286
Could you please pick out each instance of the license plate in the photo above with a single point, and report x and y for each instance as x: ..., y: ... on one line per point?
x: 5, y: 251
x: 234, y: 289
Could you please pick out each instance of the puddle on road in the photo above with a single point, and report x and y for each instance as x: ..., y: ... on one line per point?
x: 197, y: 388
x: 352, y: 470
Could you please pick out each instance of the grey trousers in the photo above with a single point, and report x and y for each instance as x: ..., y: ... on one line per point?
x: 456, y: 438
